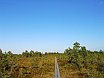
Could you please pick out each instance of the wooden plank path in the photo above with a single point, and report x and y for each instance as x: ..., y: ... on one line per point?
x: 57, y: 72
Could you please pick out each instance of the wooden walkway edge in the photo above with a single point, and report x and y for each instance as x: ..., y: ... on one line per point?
x: 57, y: 72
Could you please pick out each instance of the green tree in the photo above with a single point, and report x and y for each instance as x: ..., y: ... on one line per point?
x: 76, y: 46
x: 26, y: 54
x: 1, y: 58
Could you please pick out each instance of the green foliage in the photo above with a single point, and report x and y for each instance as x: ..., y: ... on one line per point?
x: 76, y: 46
x: 76, y: 62
x: 89, y: 63
x: 31, y: 53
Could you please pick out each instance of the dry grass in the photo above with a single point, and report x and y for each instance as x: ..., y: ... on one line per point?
x: 43, y: 67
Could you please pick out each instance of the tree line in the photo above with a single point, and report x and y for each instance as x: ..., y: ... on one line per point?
x: 88, y: 63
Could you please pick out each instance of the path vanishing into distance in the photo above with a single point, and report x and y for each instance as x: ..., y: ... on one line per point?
x: 57, y: 72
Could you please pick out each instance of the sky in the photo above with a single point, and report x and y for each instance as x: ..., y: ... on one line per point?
x: 51, y: 25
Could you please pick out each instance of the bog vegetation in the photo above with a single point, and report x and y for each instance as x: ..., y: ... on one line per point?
x: 76, y: 62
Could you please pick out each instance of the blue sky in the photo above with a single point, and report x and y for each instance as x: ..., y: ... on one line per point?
x: 51, y: 25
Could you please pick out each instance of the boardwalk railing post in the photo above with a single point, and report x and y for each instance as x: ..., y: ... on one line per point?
x: 57, y: 72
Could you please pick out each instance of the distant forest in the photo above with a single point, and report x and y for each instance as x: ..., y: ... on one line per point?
x: 76, y: 62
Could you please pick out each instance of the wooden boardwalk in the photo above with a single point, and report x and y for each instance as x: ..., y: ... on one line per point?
x: 57, y: 72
